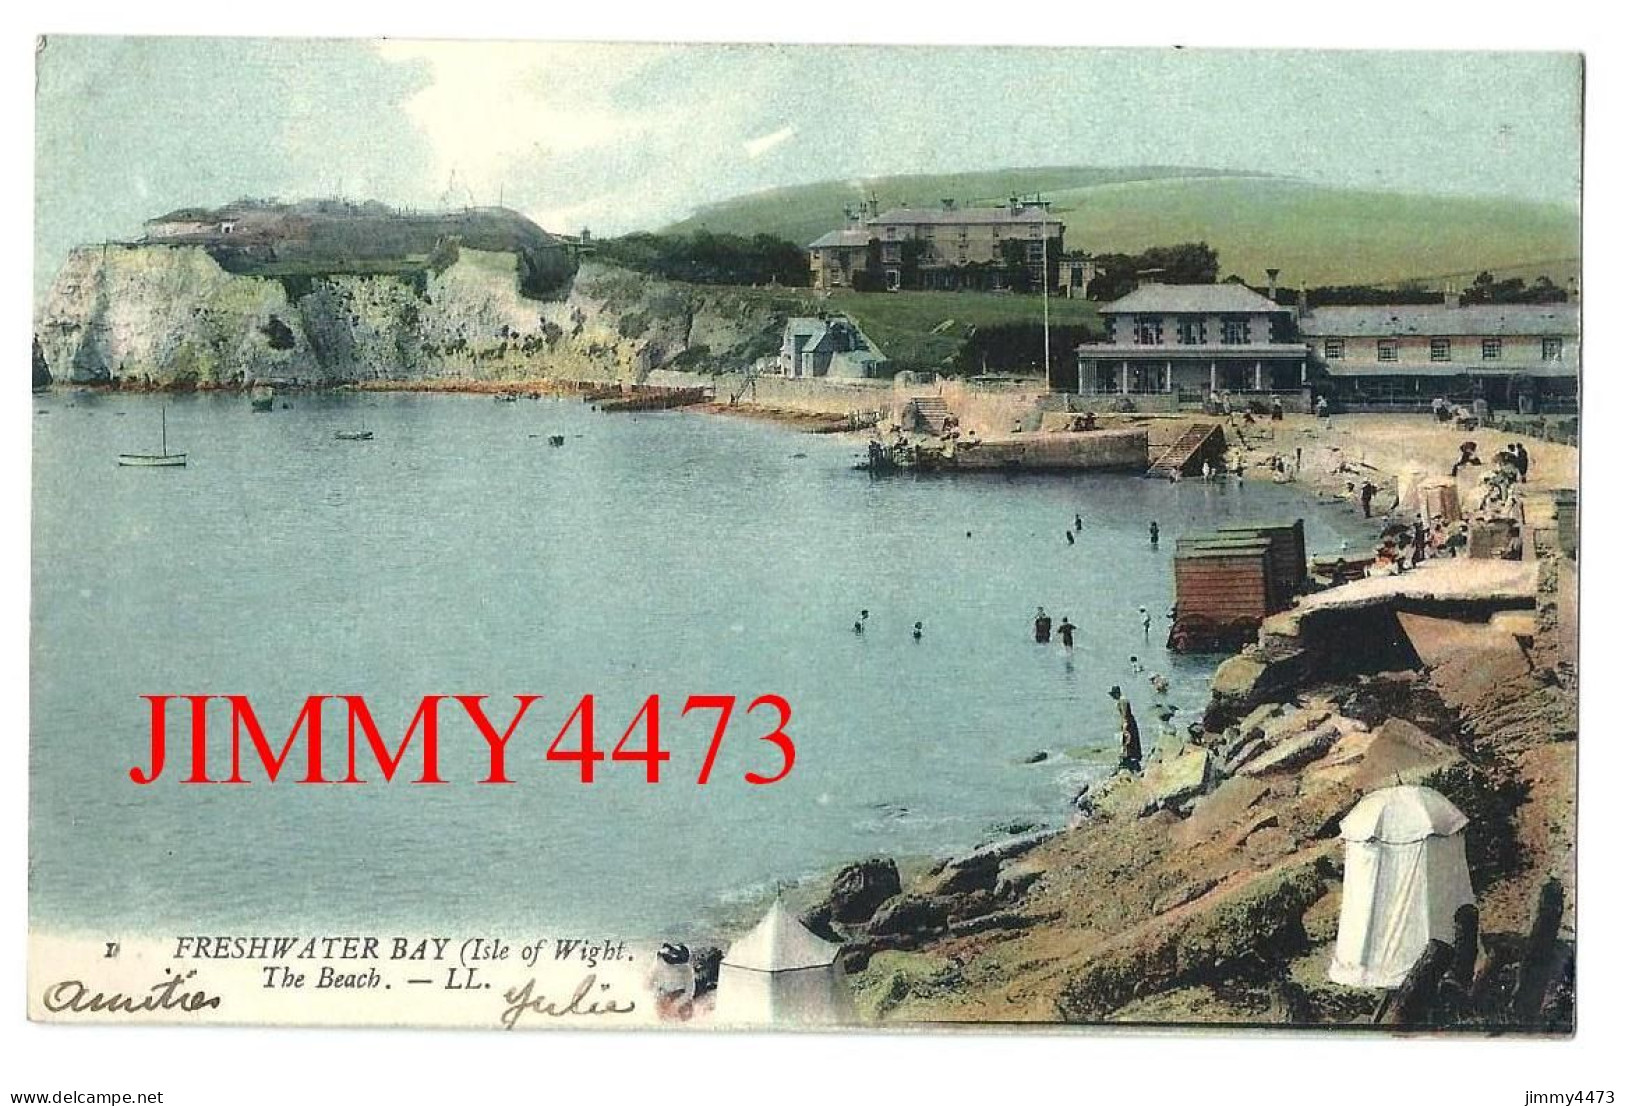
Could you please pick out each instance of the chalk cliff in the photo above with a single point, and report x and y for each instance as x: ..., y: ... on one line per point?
x: 169, y: 315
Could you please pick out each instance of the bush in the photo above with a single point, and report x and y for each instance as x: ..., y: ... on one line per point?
x: 706, y: 258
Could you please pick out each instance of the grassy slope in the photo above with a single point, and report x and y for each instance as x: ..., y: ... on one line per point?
x: 924, y: 329
x: 1315, y: 234
x: 921, y: 330
x: 1324, y: 235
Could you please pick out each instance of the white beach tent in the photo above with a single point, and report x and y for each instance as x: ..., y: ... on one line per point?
x: 781, y: 973
x: 1410, y: 482
x: 1404, y: 877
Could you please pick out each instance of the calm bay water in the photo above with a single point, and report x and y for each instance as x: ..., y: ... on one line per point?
x: 458, y: 553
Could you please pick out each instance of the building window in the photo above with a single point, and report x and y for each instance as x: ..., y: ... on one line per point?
x: 1192, y: 332
x: 891, y: 232
x: 1334, y: 349
x: 1388, y: 351
x: 1492, y: 349
x: 891, y: 251
x: 1237, y: 332
x: 1148, y: 330
x: 1551, y: 349
x: 1439, y: 349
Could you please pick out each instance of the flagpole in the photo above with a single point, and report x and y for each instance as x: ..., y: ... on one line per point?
x: 1049, y: 382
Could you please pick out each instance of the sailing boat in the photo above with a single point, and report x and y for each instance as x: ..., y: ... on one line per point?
x: 161, y: 459
x: 361, y: 435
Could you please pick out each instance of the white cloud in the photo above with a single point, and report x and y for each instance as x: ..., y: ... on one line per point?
x: 756, y: 147
x: 489, y: 104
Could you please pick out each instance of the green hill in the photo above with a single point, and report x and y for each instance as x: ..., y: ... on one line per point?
x: 803, y: 212
x: 1315, y: 234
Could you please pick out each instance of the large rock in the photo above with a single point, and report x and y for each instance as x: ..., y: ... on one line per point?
x: 1229, y: 803
x: 1251, y: 678
x: 859, y: 889
x: 1170, y: 782
x: 1294, y: 752
x: 912, y: 915
x: 1229, y: 931
x: 890, y: 977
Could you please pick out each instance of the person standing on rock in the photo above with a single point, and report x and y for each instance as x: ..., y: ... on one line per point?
x: 1130, y: 729
x: 1041, y: 626
x: 1367, y: 491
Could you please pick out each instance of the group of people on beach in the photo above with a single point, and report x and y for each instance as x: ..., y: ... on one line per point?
x: 1221, y: 403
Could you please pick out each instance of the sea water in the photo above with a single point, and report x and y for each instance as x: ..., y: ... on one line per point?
x: 458, y: 552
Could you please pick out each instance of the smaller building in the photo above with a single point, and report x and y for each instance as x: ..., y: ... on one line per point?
x: 837, y: 257
x: 1228, y: 581
x: 1075, y: 273
x: 1512, y: 355
x: 828, y: 346
x: 1193, y: 339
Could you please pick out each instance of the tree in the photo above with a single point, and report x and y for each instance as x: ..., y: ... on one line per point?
x: 1013, y: 258
x: 1486, y: 289
x: 707, y: 258
x: 872, y: 277
x: 1117, y: 274
x: 909, y: 270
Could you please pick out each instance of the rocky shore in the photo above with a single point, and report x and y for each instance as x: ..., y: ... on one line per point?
x: 1207, y: 889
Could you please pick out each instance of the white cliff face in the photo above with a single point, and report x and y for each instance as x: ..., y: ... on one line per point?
x: 170, y: 316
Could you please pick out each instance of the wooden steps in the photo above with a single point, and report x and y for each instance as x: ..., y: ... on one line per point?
x: 1201, y: 441
x: 933, y: 412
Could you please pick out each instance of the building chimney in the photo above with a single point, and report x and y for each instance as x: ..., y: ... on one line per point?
x: 1272, y: 274
x: 1303, y: 303
x: 1015, y: 204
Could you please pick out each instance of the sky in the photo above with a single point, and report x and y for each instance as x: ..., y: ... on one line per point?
x: 631, y: 136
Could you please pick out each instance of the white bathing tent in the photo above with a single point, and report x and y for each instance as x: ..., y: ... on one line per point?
x: 781, y: 973
x: 1404, y: 877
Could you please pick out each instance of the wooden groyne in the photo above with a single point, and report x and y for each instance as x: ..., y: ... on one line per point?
x: 649, y: 399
